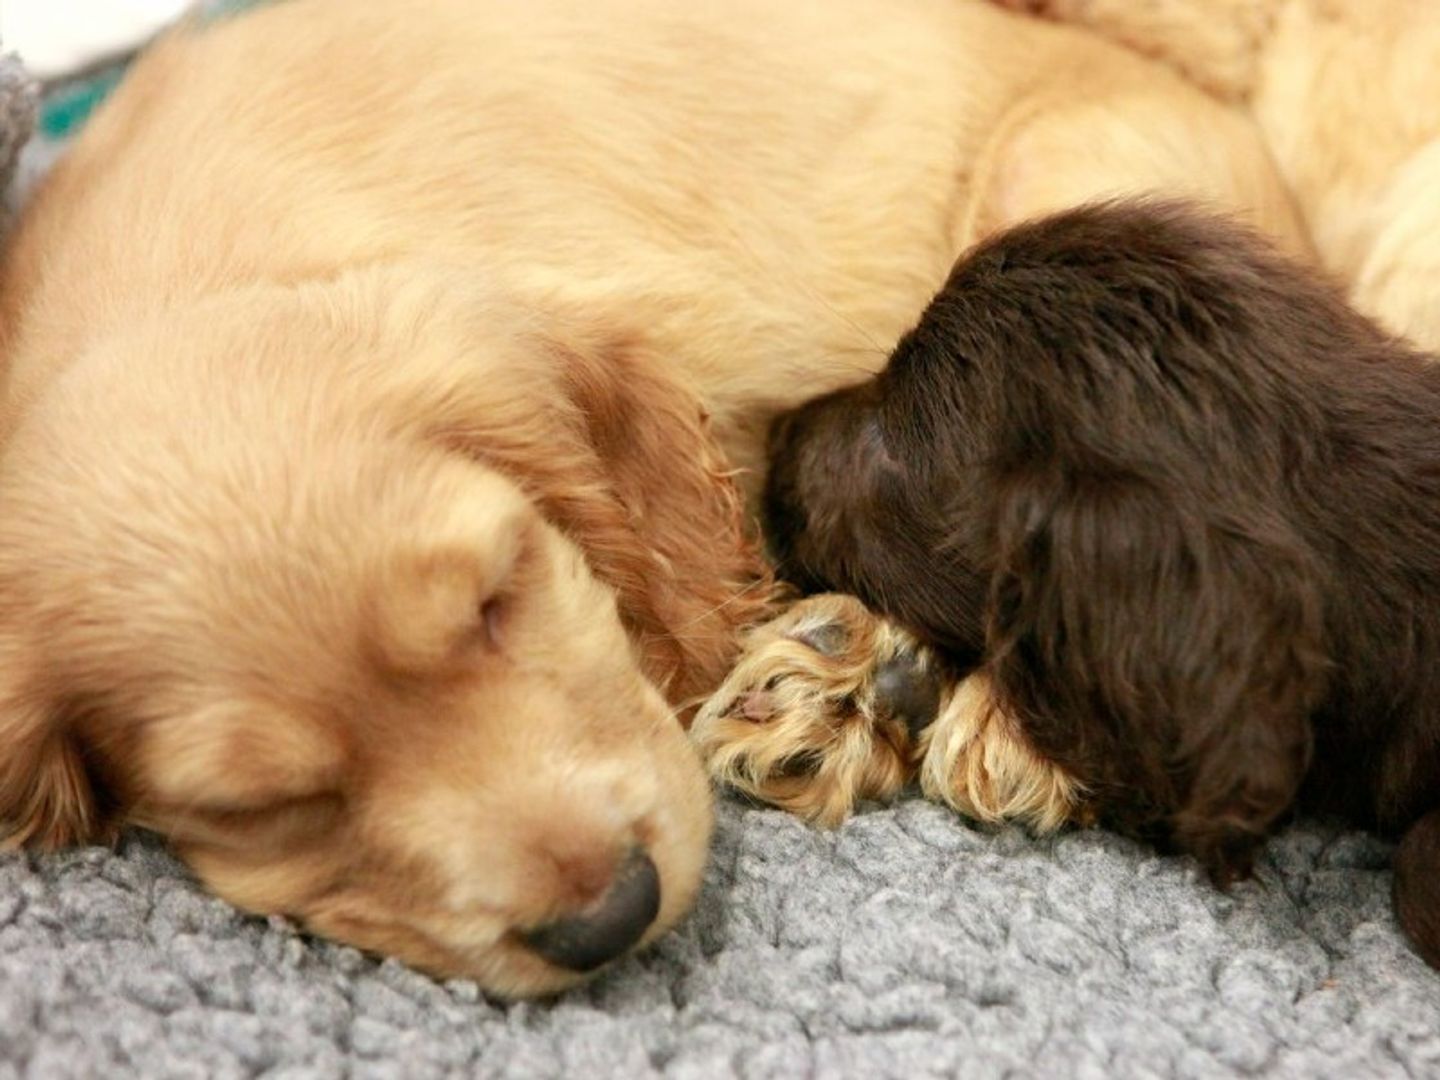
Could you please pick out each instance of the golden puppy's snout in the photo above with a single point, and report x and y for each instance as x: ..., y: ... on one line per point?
x: 610, y: 924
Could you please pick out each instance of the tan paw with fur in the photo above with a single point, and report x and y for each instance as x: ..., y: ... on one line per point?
x: 974, y: 759
x: 823, y: 709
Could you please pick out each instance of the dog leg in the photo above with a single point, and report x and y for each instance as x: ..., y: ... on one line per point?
x: 1417, y: 886
x: 975, y: 759
x: 824, y: 708
x: 1121, y: 139
x: 1215, y: 43
x: 830, y: 704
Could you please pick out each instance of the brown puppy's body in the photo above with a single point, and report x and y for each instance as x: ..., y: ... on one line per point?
x: 1345, y: 92
x: 1179, y: 506
x: 373, y: 378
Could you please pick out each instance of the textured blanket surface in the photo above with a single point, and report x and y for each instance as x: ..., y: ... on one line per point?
x: 904, y: 945
x: 19, y: 101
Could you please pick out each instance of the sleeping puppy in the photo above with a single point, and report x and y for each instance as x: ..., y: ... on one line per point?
x: 1344, y: 91
x: 1174, y: 508
x: 375, y: 381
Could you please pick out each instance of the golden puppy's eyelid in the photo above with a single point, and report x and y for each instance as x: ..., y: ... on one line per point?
x: 231, y: 812
x: 494, y: 615
x: 497, y: 610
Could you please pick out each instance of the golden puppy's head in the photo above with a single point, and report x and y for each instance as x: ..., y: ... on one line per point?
x: 321, y: 583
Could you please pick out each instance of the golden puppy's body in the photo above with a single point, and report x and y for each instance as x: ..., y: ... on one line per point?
x: 1345, y: 92
x: 373, y: 374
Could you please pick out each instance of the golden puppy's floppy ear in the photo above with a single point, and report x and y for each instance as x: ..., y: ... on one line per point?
x: 668, y: 533
x: 618, y: 455
x: 47, y: 795
x: 600, y: 433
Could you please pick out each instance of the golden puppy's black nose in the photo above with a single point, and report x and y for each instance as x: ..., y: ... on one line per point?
x: 609, y: 926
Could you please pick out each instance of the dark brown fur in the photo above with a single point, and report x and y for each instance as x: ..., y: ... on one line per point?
x: 1182, y: 503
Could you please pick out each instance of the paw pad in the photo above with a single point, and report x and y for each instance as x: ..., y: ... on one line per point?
x: 908, y: 690
x: 822, y: 710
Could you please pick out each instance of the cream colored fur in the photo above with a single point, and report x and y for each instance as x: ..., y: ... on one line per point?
x: 372, y: 377
x: 1345, y: 92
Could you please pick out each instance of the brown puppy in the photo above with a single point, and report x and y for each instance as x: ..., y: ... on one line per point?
x: 1345, y: 92
x: 1179, y: 506
x: 374, y: 375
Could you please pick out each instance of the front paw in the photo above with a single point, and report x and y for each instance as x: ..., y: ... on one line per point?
x: 976, y: 759
x: 1226, y: 850
x: 823, y: 709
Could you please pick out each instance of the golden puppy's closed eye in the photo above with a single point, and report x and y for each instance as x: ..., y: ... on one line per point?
x: 236, y: 757
x: 443, y: 610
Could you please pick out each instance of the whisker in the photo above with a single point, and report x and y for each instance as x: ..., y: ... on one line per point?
x: 733, y: 598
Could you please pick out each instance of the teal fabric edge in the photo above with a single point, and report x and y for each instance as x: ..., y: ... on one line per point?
x: 66, y: 107
x: 70, y: 105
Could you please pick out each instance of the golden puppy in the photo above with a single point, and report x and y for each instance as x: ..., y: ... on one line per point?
x: 375, y: 375
x: 1345, y: 92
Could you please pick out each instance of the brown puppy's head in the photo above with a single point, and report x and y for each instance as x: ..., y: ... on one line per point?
x: 1097, y: 461
x: 847, y: 508
x: 321, y: 584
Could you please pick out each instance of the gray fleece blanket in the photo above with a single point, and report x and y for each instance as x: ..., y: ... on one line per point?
x: 904, y: 944
x: 19, y: 99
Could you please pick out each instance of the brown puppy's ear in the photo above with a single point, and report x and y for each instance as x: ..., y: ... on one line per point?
x: 1163, y: 648
x: 47, y: 797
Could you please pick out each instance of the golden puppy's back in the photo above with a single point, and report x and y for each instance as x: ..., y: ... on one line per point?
x: 808, y: 164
